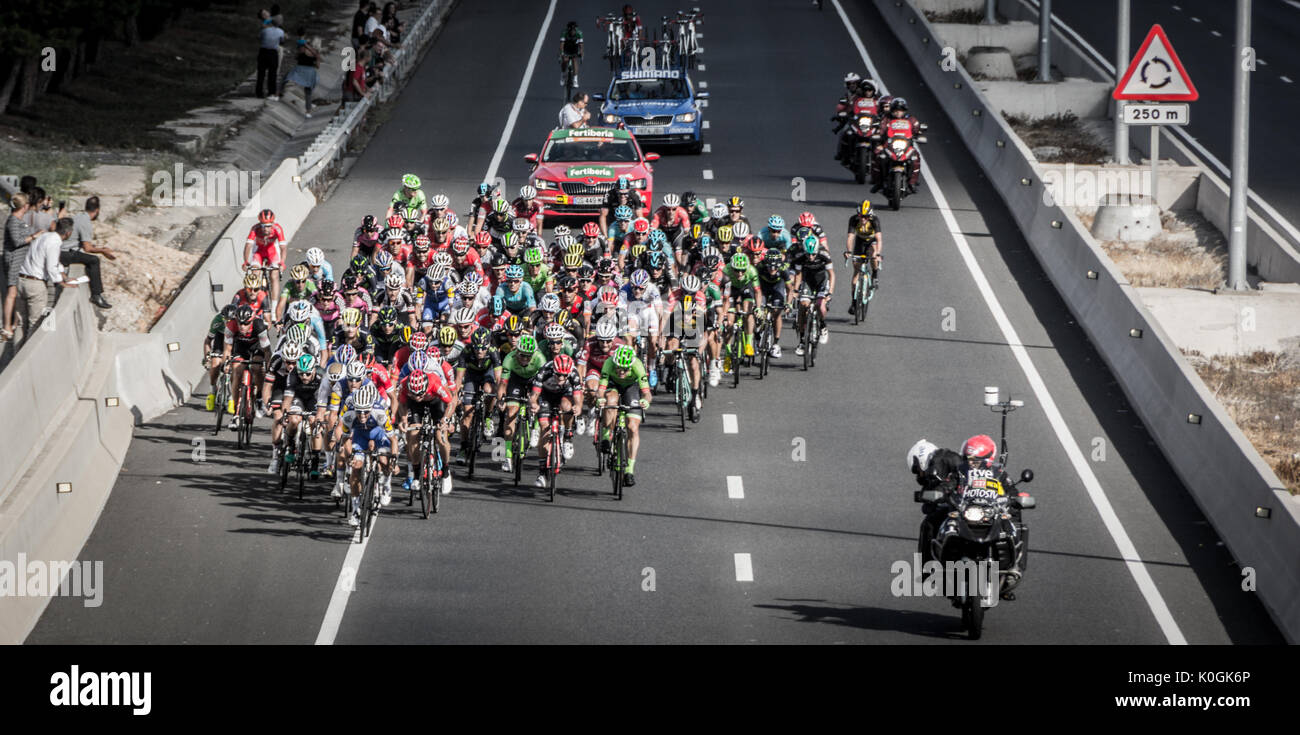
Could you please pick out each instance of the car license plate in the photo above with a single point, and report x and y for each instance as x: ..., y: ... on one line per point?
x: 589, y: 200
x: 649, y: 129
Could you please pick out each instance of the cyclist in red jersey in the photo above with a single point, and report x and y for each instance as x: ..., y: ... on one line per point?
x: 268, y: 237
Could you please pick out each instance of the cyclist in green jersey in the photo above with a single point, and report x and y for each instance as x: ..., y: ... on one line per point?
x: 517, y: 373
x: 212, y: 345
x: 743, y: 290
x: 621, y: 380
x: 409, y: 197
x: 298, y: 286
x: 536, y: 273
x: 571, y: 48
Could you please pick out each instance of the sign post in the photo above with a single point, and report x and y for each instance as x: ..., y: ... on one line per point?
x: 1155, y: 74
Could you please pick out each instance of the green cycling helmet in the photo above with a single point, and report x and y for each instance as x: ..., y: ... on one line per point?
x: 624, y: 356
x: 510, y: 240
x: 810, y: 244
x: 527, y: 344
x: 307, y: 364
x: 411, y: 181
x: 533, y: 256
x: 739, y: 261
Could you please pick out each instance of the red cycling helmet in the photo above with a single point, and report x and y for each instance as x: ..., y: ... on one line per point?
x: 422, y: 242
x: 418, y: 383
x: 591, y: 229
x: 419, y: 341
x: 397, y: 221
x: 609, y: 297
x: 806, y: 219
x: 980, y: 447
x: 563, y: 364
x: 433, y: 351
x: 482, y: 239
x: 266, y: 216
x: 460, y: 245
x: 641, y: 225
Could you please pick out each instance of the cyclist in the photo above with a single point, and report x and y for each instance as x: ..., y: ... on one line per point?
x: 425, y: 398
x: 813, y: 268
x: 517, y: 295
x: 366, y: 238
x: 537, y: 276
x: 528, y: 207
x: 621, y: 195
x: 409, y: 197
x: 302, y: 312
x: 517, y: 373
x: 243, y: 333
x: 556, y: 384
x: 253, y: 294
x: 865, y: 238
x: 593, y: 242
x: 351, y: 333
x: 479, y: 371
x: 301, y: 397
x: 697, y: 212
x: 500, y: 220
x: 481, y: 206
x: 268, y: 237
x: 318, y: 268
x: 297, y: 287
x: 743, y: 290
x: 644, y: 306
x: 672, y: 219
x: 465, y: 259
x: 570, y: 50
x: 365, y: 420
x: 774, y: 234
x: 807, y: 225
x: 212, y: 355
x: 685, y: 321
x: 773, y: 273
x: 591, y: 359
x: 623, y: 381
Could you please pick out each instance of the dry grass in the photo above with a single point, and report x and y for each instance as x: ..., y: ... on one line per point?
x: 1190, y: 253
x: 1061, y: 131
x: 1261, y: 393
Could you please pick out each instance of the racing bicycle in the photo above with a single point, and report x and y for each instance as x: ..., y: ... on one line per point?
x: 554, y: 459
x: 616, y: 457
x: 471, y: 442
x: 222, y: 393
x: 297, y: 456
x: 810, y: 322
x: 431, y: 471
x: 865, y: 291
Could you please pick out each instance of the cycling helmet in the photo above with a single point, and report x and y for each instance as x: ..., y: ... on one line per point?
x: 306, y: 363
x: 810, y: 244
x: 515, y: 272
x: 864, y: 209
x: 326, y: 289
x: 440, y: 226
x: 514, y: 325
x: 691, y: 283
x: 481, y: 339
x: 387, y: 315
x: 637, y: 249
x: 335, y: 372
x: 533, y: 255
x: 624, y: 357
x: 420, y: 361
x: 623, y: 213
x: 451, y: 218
x: 463, y: 315
x: 688, y: 199
x: 418, y: 383
x: 520, y: 225
x: 315, y: 257
x: 433, y: 353
x: 656, y: 260
x: 527, y: 193
x: 252, y: 280
x: 437, y: 273
x: 725, y: 233
x: 572, y: 260
x: 394, y: 233
x: 640, y: 279
x: 773, y: 259
x: 299, y: 311
x: 606, y: 330
x: 419, y: 341
x: 447, y: 336
x: 358, y: 263
x: 482, y: 239
x: 980, y: 448
x: 919, y: 456
x: 244, y: 314
x: 806, y: 219
x: 500, y: 206
x: 460, y: 246
x: 411, y: 181
x: 776, y: 223
x: 549, y: 303
x: 658, y: 237
x: 672, y: 201
x: 740, y: 230
x: 591, y: 229
x: 366, y: 397
x: 356, y: 370
x: 383, y: 260
x: 369, y: 223
x: 498, y: 306
x: 719, y: 210
x: 563, y: 365
x: 739, y: 262
x: 345, y: 354
x: 555, y: 331
x: 623, y: 184
x: 735, y: 203
x: 395, y: 280
x: 706, y: 243
x: 228, y: 311
x: 351, y: 317
x: 511, y: 240
x: 396, y: 221
x: 605, y: 266
x: 712, y: 261
x: 586, y: 273
x: 484, y: 189
x: 641, y: 225
x: 572, y: 246
x: 266, y: 216
x: 469, y: 290
x: 566, y: 282
x: 439, y: 201
x: 562, y: 230
x: 527, y: 344
x: 609, y: 296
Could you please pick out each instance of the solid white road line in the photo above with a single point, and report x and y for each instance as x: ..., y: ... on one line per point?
x: 708, y: 174
x: 729, y: 424
x: 1292, y: 3
x: 1155, y: 601
x: 519, y: 96
x: 744, y: 568
x: 735, y: 487
x: 343, y: 586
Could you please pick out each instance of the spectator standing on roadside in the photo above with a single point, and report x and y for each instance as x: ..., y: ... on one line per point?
x: 374, y: 22
x: 40, y: 268
x: 40, y: 216
x: 395, y: 27
x: 80, y: 248
x: 359, y: 23
x: 18, y: 239
x: 268, y: 58
x: 574, y: 114
x: 307, y: 60
x: 354, y: 84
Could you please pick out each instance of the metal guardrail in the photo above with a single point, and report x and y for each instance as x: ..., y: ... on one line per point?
x: 332, y: 141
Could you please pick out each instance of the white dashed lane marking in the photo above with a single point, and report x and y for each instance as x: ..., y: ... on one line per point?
x: 735, y: 487
x: 744, y: 568
x: 729, y: 423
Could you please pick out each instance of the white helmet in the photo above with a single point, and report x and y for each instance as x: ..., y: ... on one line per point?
x: 672, y: 200
x: 463, y: 315
x: 315, y: 257
x: 365, y: 397
x: 719, y: 210
x: 549, y: 303
x: 851, y: 77
x: 919, y: 456
x: 606, y: 329
x: 555, y: 331
x: 740, y: 230
x: 291, y: 352
x: 356, y: 370
x: 299, y: 311
x: 527, y: 192
x: 395, y: 279
x: 561, y: 230
x: 439, y: 201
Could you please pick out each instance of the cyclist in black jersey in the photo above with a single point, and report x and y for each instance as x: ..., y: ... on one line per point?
x: 865, y: 238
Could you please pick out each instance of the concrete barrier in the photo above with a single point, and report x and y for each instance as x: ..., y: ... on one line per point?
x: 1221, y: 470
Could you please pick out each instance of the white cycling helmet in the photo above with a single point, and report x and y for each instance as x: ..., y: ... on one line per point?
x: 719, y: 210
x: 299, y: 311
x: 463, y: 315
x: 672, y: 200
x: 439, y: 201
x: 919, y: 456
x: 555, y: 331
x: 396, y: 279
x: 562, y: 230
x: 315, y: 257
x: 606, y: 329
x: 365, y: 398
x: 442, y: 257
x: 740, y: 230
x: 356, y: 370
x: 527, y: 192
x: 549, y: 303
x: 291, y: 352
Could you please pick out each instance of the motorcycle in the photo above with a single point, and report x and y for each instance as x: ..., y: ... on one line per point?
x: 899, y: 160
x: 856, y: 141
x: 982, y: 533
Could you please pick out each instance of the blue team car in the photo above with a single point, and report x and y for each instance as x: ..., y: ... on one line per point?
x: 658, y: 107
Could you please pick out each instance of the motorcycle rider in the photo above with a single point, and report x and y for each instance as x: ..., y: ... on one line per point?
x: 855, y: 88
x: 899, y: 121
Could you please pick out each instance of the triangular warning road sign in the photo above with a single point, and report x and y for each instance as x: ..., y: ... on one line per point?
x: 1156, y: 73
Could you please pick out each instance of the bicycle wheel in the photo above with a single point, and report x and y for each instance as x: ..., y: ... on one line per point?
x: 622, y: 461
x: 553, y: 471
x: 615, y: 474
x: 301, y: 463
x: 428, y: 477
x: 807, y: 338
x: 435, y: 488
x: 475, y: 437
x: 683, y: 396
x: 737, y: 354
x: 815, y: 337
x: 220, y: 408
x: 521, y: 430
x: 367, y: 496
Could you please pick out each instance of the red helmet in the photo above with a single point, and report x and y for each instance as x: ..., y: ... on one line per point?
x: 609, y: 297
x: 755, y: 246
x: 641, y: 225
x: 806, y: 219
x: 419, y: 341
x: 266, y: 217
x: 418, y: 383
x: 482, y: 238
x: 980, y: 447
x: 563, y: 364
x: 591, y: 229
x: 422, y: 242
x: 433, y: 351
x: 397, y: 221
x: 460, y: 245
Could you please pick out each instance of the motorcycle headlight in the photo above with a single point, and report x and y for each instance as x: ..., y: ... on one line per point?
x: 686, y: 117
x: 975, y: 514
x: 611, y: 119
x: 898, y: 145
x: 864, y: 122
x: 638, y: 183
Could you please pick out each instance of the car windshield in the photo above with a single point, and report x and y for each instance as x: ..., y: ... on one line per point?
x: 648, y: 89
x: 578, y: 150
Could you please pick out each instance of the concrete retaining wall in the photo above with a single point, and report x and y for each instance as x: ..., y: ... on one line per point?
x: 1221, y: 470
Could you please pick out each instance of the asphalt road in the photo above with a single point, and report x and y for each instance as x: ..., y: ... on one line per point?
x: 1202, y: 33
x: 208, y: 552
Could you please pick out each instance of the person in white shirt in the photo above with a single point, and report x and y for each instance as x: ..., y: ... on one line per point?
x: 574, y: 114
x: 40, y: 269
